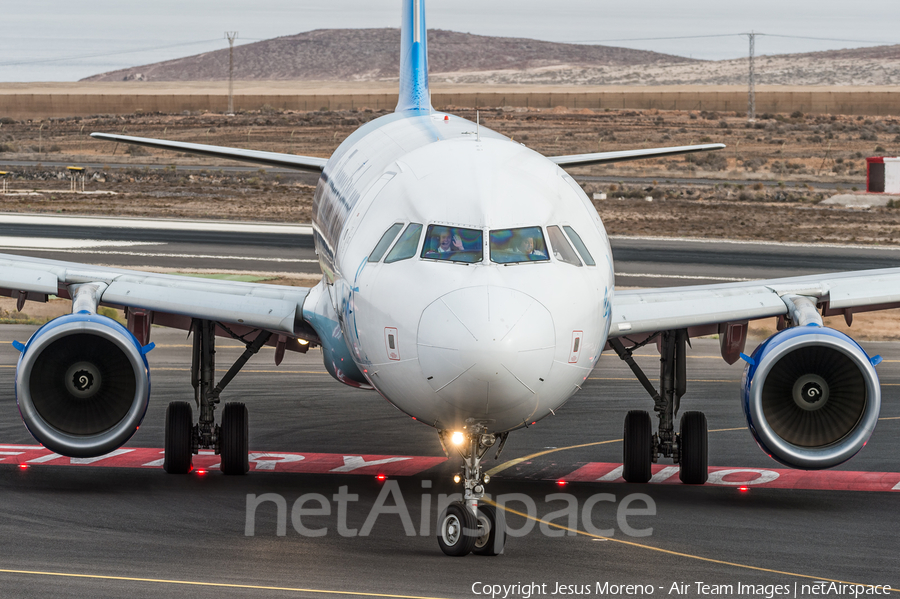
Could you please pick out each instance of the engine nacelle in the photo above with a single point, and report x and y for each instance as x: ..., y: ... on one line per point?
x: 82, y: 385
x: 811, y: 397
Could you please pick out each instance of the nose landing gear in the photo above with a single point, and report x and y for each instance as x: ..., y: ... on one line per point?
x: 465, y: 526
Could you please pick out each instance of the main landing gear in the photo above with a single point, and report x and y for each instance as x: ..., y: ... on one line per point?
x: 467, y: 526
x: 688, y: 447
x: 229, y: 439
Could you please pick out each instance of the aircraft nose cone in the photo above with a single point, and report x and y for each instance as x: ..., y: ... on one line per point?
x: 486, y: 349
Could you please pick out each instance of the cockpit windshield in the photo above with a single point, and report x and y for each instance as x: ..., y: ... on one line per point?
x: 525, y: 244
x: 453, y: 243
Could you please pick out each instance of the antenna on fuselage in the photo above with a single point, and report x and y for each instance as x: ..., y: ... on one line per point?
x: 477, y: 126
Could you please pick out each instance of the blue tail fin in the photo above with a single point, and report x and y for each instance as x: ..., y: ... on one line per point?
x: 414, y: 94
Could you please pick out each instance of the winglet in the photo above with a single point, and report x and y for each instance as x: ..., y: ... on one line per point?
x: 414, y: 93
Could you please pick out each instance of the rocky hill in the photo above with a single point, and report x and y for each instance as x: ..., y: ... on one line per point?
x: 373, y: 54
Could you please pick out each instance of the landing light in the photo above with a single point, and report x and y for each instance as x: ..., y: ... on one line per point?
x: 457, y: 438
x: 456, y: 478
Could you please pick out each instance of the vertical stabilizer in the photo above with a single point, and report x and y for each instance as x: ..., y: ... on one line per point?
x: 414, y: 94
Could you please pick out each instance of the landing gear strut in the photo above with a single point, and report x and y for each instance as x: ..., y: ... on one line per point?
x: 467, y: 527
x: 688, y: 447
x: 230, y: 440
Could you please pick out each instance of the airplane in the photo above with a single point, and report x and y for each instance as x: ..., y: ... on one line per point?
x: 469, y: 281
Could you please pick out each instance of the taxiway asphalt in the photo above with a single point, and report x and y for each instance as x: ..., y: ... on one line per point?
x: 89, y: 531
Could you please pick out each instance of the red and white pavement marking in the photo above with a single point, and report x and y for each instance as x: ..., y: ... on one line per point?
x: 768, y: 478
x: 284, y: 461
x: 393, y: 465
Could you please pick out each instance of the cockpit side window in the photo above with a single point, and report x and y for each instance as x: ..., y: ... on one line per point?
x: 562, y: 250
x: 579, y: 245
x: 510, y: 246
x: 455, y: 244
x: 406, y: 245
x: 389, y: 236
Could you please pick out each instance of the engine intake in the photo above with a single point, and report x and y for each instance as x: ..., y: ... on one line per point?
x: 82, y: 385
x: 811, y: 397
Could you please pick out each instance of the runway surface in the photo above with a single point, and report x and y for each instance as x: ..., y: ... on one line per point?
x: 640, y: 262
x: 137, y: 532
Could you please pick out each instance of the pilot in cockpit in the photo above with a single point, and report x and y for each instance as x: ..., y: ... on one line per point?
x: 449, y: 241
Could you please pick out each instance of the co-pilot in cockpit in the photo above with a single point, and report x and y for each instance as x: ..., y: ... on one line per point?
x: 524, y: 244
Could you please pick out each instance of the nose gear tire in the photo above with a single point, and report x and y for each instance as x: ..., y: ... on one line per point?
x: 457, y: 530
x: 492, y: 533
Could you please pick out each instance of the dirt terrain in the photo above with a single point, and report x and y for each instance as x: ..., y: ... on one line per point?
x: 763, y: 190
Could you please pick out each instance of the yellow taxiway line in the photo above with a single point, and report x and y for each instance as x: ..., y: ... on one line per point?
x: 679, y: 553
x: 222, y: 585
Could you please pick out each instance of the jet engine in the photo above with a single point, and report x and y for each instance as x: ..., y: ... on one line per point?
x: 811, y: 397
x: 82, y: 385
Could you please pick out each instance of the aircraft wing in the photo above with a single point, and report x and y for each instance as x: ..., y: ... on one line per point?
x: 302, y: 163
x: 173, y: 299
x: 621, y: 156
x: 702, y: 308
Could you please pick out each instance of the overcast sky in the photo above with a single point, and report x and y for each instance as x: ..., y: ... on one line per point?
x: 56, y: 40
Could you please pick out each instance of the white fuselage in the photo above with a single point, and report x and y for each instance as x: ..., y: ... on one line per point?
x: 501, y: 343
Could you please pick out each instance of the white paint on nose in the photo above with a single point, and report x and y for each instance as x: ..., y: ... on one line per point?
x: 486, y: 349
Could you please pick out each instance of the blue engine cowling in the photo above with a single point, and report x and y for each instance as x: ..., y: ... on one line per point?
x: 811, y: 397
x: 82, y: 385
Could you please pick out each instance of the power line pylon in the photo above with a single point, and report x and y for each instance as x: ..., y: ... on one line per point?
x: 231, y: 36
x: 751, y: 92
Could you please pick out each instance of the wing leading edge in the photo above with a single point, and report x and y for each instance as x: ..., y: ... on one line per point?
x: 639, y: 311
x: 302, y: 163
x: 275, y: 308
x: 622, y: 156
